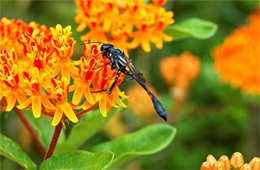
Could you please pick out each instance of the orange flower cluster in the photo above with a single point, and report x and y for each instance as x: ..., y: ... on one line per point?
x: 126, y: 24
x: 237, y: 59
x: 179, y: 72
x: 36, y: 69
x: 236, y: 162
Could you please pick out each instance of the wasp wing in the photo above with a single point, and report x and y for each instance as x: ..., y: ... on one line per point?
x: 136, y: 74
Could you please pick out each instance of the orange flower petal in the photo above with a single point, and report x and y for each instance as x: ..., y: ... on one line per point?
x: 86, y: 105
x: 69, y: 112
x: 36, y: 106
x: 146, y: 46
x: 88, y: 95
x: 120, y: 102
x: 122, y: 94
x: 74, y: 71
x: 20, y: 97
x: 25, y: 104
x: 57, y: 116
x: 55, y: 71
x: 46, y: 102
x: 111, y: 101
x: 65, y: 71
x: 103, y: 106
x: 78, y: 93
x: 10, y: 102
x: 72, y: 88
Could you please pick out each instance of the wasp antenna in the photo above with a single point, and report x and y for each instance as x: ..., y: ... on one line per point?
x: 92, y: 42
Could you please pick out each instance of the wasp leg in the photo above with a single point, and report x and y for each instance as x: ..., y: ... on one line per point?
x: 114, y: 83
x: 98, y: 91
x: 93, y: 68
x: 127, y: 80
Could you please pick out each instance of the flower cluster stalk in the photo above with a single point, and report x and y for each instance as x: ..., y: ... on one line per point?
x: 30, y: 129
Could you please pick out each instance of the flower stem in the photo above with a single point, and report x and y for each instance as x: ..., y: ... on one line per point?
x: 54, y: 141
x: 30, y: 129
x: 87, y: 110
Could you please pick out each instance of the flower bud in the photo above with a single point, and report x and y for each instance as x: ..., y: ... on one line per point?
x: 255, y: 163
x: 217, y: 166
x: 245, y: 167
x: 224, y: 162
x: 211, y: 160
x: 205, y: 166
x: 237, y: 160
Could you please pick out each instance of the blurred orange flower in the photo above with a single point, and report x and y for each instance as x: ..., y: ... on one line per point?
x: 126, y: 24
x: 237, y: 59
x: 236, y: 162
x: 179, y: 71
x: 36, y: 69
x: 139, y: 101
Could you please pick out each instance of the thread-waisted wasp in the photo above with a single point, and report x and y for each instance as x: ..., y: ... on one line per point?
x: 119, y: 61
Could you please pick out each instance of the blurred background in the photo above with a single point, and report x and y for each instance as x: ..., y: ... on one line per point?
x: 211, y: 116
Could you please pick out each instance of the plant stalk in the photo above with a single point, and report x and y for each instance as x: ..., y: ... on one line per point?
x: 54, y: 141
x: 87, y: 110
x: 31, y: 130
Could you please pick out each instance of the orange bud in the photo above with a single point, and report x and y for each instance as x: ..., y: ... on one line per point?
x: 237, y: 160
x: 217, y: 166
x: 245, y: 167
x: 211, y: 159
x: 205, y: 166
x: 255, y: 163
x: 224, y: 162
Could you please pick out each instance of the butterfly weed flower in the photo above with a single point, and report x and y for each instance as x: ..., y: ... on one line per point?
x: 36, y: 69
x: 126, y: 24
x: 236, y: 162
x: 38, y: 51
x: 10, y: 79
x: 33, y: 83
x: 255, y: 163
x: 64, y: 46
x: 59, y: 90
x: 94, y: 78
x: 179, y: 72
x: 237, y: 59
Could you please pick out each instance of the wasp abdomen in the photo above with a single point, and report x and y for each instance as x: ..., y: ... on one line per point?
x: 158, y: 107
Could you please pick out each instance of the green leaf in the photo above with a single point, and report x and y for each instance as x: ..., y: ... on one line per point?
x: 13, y: 151
x: 148, y: 140
x: 43, y: 128
x: 78, y: 160
x: 193, y: 27
x: 91, y: 123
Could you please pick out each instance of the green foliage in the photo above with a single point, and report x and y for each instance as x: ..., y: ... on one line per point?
x: 193, y: 27
x: 216, y: 118
x: 13, y: 151
x: 148, y: 140
x: 78, y: 160
x: 91, y: 123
